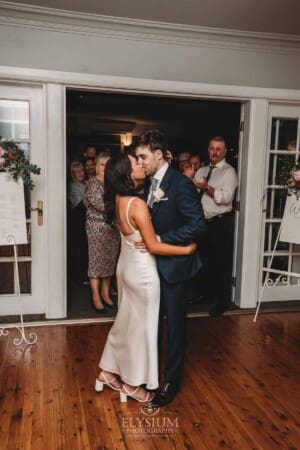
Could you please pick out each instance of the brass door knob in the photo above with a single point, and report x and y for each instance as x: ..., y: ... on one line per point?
x: 40, y: 212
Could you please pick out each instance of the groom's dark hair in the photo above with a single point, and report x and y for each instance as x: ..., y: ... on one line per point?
x: 155, y: 140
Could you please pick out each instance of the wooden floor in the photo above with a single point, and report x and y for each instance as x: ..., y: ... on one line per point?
x: 241, y: 390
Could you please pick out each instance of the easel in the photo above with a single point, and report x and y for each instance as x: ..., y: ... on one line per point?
x: 32, y: 337
x: 13, y: 232
x: 268, y: 270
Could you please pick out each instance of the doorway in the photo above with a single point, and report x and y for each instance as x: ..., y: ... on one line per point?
x: 109, y: 122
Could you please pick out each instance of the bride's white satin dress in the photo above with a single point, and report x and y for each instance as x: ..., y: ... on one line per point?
x: 131, y: 346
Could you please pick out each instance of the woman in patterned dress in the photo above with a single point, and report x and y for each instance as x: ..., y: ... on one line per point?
x: 103, y: 239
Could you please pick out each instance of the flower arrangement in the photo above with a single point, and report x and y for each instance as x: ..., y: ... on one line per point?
x: 289, y: 175
x: 14, y: 161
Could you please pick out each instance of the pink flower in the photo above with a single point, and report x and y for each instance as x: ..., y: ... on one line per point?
x: 12, y: 155
x: 296, y: 175
x: 1, y: 151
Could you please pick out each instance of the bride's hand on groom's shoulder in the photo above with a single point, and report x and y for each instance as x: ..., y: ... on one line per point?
x: 141, y: 246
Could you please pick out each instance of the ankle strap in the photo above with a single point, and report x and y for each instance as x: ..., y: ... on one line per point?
x: 106, y: 380
x: 130, y: 393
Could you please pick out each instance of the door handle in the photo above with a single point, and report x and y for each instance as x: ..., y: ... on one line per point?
x: 40, y: 212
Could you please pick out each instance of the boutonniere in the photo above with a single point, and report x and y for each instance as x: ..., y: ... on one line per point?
x: 159, y: 196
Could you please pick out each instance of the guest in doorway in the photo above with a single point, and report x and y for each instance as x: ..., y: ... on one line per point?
x: 189, y: 171
x: 103, y: 240
x: 90, y: 168
x: 191, y: 167
x: 90, y: 151
x: 183, y: 160
x: 195, y: 161
x: 77, y: 218
x: 217, y: 183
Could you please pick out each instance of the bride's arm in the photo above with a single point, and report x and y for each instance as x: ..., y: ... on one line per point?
x: 140, y: 217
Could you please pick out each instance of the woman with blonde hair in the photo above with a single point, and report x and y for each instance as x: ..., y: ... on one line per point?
x: 103, y: 240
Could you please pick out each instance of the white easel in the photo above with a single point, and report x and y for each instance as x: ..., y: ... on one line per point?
x: 13, y: 218
x: 32, y: 337
x: 290, y: 231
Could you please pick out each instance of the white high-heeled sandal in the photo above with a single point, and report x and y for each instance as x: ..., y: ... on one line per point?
x: 124, y: 395
x: 100, y: 384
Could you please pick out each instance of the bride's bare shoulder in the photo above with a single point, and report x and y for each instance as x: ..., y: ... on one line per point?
x: 139, y: 207
x: 139, y: 203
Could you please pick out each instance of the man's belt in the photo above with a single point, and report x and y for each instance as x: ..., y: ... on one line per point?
x: 219, y: 216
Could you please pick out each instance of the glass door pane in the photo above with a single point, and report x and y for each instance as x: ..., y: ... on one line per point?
x: 14, y: 124
x: 282, y: 152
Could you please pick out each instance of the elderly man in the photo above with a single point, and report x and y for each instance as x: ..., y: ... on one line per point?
x: 217, y: 183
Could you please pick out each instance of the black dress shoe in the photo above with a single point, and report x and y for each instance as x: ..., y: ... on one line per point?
x: 108, y: 305
x: 99, y: 310
x: 164, y: 396
x: 218, y: 310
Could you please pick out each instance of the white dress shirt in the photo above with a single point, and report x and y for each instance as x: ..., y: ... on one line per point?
x: 158, y: 176
x: 224, y: 180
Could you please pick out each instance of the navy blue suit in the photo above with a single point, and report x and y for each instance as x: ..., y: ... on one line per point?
x: 177, y: 220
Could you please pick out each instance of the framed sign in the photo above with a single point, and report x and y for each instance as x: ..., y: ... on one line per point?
x: 12, y: 207
x: 290, y: 227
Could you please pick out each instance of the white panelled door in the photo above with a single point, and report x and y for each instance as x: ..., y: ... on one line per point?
x: 22, y: 119
x: 282, y: 149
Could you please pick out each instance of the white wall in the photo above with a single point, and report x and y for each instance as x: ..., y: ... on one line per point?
x: 81, y: 44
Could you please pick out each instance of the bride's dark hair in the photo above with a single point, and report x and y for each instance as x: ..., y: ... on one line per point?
x: 117, y: 180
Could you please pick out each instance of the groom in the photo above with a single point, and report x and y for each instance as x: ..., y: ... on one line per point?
x: 177, y: 218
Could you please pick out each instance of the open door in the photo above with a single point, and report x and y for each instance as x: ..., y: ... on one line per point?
x: 237, y: 225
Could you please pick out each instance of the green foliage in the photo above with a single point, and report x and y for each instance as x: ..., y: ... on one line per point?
x: 14, y: 161
x: 287, y: 168
x: 286, y: 177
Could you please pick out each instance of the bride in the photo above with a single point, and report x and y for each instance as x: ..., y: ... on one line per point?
x: 130, y: 356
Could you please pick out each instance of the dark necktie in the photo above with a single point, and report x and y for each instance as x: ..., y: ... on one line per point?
x: 207, y: 178
x: 154, y: 183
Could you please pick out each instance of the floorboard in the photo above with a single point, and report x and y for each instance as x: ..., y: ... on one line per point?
x: 240, y: 390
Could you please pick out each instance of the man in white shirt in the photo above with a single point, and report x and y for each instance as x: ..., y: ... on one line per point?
x: 217, y: 183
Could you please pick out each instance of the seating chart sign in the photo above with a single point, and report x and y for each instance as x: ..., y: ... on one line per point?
x: 12, y: 210
x: 290, y: 227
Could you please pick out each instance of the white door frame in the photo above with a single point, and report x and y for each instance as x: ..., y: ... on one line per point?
x: 252, y: 166
x: 274, y: 291
x: 251, y: 194
x: 247, y: 249
x: 56, y: 292
x: 33, y: 303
